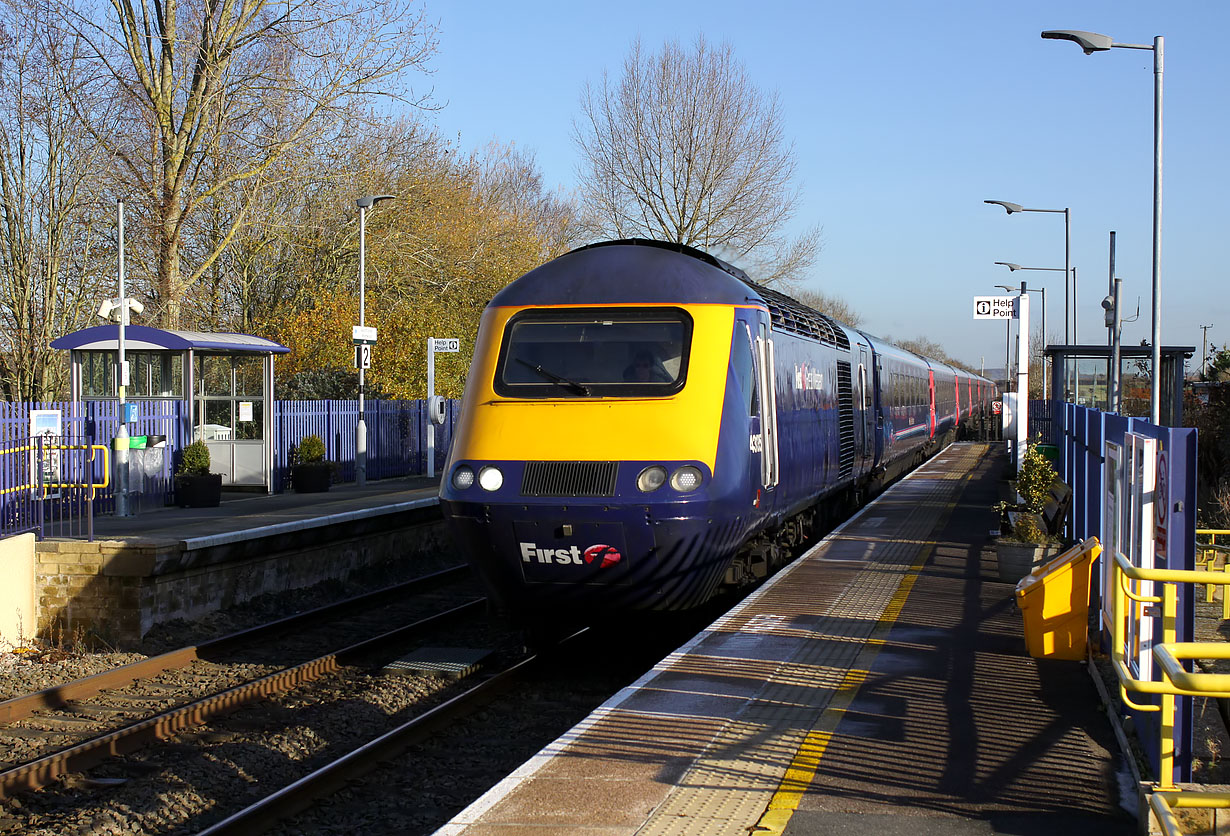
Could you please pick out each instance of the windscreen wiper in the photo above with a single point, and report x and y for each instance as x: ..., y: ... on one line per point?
x: 579, y: 388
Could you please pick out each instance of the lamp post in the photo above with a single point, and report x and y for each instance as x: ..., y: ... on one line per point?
x: 1204, y: 351
x: 1067, y: 252
x: 1092, y: 42
x: 360, y: 430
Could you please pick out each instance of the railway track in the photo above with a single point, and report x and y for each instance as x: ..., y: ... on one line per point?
x: 77, y: 725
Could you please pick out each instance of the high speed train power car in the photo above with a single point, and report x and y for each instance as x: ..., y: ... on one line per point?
x: 642, y: 424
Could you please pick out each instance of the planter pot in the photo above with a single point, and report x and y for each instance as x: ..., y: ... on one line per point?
x: 198, y: 491
x: 1016, y: 560
x: 312, y: 478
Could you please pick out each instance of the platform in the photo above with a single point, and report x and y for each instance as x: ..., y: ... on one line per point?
x: 879, y: 685
x: 244, y: 514
x: 183, y: 563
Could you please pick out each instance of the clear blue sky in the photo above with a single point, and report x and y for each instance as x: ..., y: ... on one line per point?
x: 905, y: 116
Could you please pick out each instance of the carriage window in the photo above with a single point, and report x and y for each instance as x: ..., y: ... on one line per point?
x: 745, y: 367
x: 594, y: 352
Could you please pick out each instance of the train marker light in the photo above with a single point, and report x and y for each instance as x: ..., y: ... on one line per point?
x: 651, y: 478
x: 463, y: 477
x: 490, y: 478
x: 686, y: 479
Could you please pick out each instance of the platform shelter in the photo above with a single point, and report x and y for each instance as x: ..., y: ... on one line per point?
x: 224, y: 381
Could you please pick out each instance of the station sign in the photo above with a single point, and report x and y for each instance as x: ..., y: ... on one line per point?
x: 995, y: 307
x: 363, y: 335
x: 450, y: 344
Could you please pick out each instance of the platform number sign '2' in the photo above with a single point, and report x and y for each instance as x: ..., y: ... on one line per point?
x: 363, y: 356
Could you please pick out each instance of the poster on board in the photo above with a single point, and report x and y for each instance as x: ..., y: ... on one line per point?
x: 46, y: 424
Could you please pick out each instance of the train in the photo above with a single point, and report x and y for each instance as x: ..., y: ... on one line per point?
x: 644, y: 425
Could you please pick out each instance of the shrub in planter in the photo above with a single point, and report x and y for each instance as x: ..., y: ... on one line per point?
x: 1025, y: 542
x: 195, y: 486
x: 311, y: 473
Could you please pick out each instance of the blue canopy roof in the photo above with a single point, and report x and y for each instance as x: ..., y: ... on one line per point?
x: 144, y: 338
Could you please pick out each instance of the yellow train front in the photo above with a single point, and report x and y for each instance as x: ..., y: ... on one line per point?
x: 610, y: 449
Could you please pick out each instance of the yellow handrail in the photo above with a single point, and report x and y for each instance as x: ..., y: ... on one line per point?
x: 93, y: 486
x: 1169, y: 655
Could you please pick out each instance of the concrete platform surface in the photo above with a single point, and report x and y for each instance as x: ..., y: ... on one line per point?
x: 878, y: 685
x: 242, y: 511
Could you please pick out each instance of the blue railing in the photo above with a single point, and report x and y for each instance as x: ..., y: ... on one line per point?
x: 396, y: 445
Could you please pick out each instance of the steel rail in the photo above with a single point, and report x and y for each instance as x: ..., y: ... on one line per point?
x: 42, y: 771
x: 59, y: 696
x: 300, y: 795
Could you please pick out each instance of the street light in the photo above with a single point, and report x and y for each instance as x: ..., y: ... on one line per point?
x: 1092, y: 42
x: 1067, y: 257
x: 1204, y: 351
x: 360, y: 430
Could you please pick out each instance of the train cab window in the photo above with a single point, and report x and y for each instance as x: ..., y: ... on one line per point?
x: 744, y: 362
x: 594, y: 353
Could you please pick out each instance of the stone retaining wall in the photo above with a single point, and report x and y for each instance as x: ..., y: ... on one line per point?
x: 115, y: 591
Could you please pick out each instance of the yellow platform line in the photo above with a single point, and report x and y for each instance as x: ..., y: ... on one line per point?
x: 806, y: 762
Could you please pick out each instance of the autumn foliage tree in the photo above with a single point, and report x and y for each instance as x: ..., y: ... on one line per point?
x: 218, y: 93
x: 457, y: 232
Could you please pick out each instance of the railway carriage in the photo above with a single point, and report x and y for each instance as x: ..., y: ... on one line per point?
x: 643, y: 423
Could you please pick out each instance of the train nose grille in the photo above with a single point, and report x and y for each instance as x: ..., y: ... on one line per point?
x: 568, y: 479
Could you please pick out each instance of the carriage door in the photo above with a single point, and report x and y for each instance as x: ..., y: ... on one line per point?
x: 867, y: 416
x: 769, y: 476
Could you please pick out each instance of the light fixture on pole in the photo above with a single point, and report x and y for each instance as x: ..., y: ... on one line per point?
x: 1067, y: 255
x: 1092, y: 42
x: 1204, y: 351
x: 360, y: 430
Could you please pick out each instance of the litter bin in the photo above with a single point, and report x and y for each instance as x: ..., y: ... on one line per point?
x: 1049, y: 452
x: 1054, y: 603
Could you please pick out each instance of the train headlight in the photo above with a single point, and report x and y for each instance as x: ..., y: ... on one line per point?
x: 463, y: 477
x: 686, y: 479
x: 651, y: 478
x: 490, y: 478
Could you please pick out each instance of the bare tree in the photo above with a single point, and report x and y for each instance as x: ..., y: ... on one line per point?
x: 220, y: 90
x: 49, y: 210
x: 683, y: 147
x: 834, y: 306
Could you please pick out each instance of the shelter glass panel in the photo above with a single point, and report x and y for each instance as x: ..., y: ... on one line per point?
x: 249, y: 376
x: 250, y: 419
x: 98, y: 374
x: 214, y: 374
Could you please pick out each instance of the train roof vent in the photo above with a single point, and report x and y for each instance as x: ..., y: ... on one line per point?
x: 792, y: 315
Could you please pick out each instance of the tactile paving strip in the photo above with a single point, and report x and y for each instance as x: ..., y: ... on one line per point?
x: 730, y: 785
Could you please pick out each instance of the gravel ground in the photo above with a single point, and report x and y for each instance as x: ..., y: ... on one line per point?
x: 181, y: 787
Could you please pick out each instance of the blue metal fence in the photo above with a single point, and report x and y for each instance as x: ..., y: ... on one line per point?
x: 396, y: 446
x: 1083, y: 434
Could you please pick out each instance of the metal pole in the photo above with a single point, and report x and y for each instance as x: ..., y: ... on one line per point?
x: 1110, y: 287
x: 1075, y: 336
x: 1045, y: 377
x: 1067, y: 268
x: 360, y: 430
x: 1155, y: 392
x: 121, y: 435
x: 1022, y: 378
x: 431, y: 391
x: 1115, y: 362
